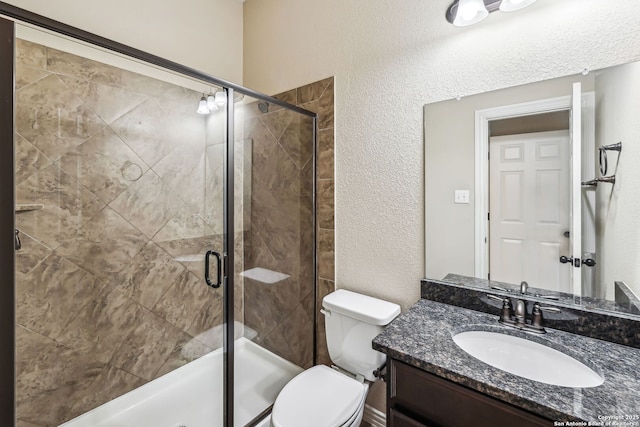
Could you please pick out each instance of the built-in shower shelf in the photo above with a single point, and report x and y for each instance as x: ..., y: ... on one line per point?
x: 29, y: 207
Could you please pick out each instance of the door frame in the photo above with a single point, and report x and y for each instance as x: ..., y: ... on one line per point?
x: 481, y: 144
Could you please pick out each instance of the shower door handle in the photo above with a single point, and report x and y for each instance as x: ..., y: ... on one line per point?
x: 218, y: 281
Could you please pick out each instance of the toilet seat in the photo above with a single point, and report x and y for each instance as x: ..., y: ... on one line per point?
x: 319, y: 397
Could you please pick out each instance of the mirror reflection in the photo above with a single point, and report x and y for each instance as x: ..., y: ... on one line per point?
x: 537, y: 184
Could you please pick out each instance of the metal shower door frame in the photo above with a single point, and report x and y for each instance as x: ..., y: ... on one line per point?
x: 10, y: 14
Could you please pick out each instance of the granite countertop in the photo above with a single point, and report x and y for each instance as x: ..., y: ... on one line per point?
x: 422, y: 337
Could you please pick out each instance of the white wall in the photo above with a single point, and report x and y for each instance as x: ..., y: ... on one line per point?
x: 203, y: 34
x: 391, y: 57
x: 617, y: 108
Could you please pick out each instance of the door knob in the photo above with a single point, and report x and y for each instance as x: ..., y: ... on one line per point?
x: 588, y: 262
x: 564, y: 260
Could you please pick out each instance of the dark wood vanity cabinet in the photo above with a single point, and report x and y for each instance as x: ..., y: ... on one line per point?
x: 416, y: 398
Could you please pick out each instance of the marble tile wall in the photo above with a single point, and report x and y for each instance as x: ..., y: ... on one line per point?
x: 109, y: 281
x: 280, y: 237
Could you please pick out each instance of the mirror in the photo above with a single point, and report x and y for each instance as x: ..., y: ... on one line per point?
x: 537, y: 183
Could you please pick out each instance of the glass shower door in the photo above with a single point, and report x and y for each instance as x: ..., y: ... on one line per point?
x: 275, y: 255
x: 119, y: 187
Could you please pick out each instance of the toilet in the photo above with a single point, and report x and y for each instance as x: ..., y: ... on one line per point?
x: 334, y: 397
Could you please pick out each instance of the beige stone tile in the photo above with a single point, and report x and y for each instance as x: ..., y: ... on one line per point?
x: 84, y: 68
x: 104, y: 164
x: 293, y: 338
x: 289, y: 96
x: 21, y: 423
x: 152, y: 87
x: 311, y: 106
x: 108, y: 102
x: 325, y: 287
x: 29, y: 160
x: 148, y: 204
x: 102, y: 325
x: 52, y: 294
x: 326, y: 255
x: 30, y: 54
x: 312, y: 91
x: 186, y: 350
x: 52, y: 118
x: 147, y: 346
x: 68, y: 206
x: 31, y: 254
x: 268, y: 305
x: 183, y: 170
x: 326, y: 108
x: 207, y: 325
x: 325, y: 157
x: 49, y: 377
x: 191, y: 251
x: 105, y: 245
x: 277, y: 121
x: 110, y: 384
x: 148, y: 276
x: 27, y: 75
x: 183, y: 301
x: 146, y: 130
x: 325, y: 203
x: 297, y: 140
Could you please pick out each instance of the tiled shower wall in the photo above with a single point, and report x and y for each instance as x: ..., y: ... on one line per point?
x: 281, y: 229
x: 109, y: 293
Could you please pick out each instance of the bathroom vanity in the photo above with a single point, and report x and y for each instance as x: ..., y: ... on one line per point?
x: 432, y: 381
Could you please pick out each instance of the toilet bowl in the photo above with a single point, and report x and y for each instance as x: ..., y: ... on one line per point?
x: 324, y: 396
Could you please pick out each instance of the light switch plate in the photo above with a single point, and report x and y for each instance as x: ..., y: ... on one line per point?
x: 461, y: 196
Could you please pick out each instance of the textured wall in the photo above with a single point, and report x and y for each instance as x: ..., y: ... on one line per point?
x: 204, y: 34
x: 109, y: 289
x: 389, y: 58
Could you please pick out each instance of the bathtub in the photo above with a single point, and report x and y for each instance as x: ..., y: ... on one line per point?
x: 191, y: 396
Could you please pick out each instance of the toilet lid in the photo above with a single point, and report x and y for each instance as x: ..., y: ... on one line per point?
x: 318, y: 397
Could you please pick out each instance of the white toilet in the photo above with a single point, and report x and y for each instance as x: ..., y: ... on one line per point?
x: 334, y: 397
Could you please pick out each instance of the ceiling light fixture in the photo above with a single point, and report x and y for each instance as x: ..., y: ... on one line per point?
x: 462, y: 13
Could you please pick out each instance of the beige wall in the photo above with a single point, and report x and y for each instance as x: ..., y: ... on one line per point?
x: 449, y: 165
x: 390, y: 58
x: 203, y: 34
x: 617, y: 107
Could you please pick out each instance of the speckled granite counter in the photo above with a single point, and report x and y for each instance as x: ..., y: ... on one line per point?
x: 422, y: 337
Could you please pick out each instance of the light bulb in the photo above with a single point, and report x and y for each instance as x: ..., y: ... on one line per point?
x: 469, y: 12
x: 221, y: 98
x: 211, y: 103
x: 202, y: 106
x: 513, y: 5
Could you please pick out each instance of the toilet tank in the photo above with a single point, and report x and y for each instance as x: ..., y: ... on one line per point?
x: 352, y: 320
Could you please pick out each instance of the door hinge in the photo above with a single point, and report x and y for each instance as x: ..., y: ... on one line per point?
x: 488, y: 216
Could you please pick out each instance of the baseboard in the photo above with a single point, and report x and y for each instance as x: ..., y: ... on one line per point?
x: 374, y: 417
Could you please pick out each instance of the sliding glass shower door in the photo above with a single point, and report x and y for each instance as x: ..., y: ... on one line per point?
x: 119, y: 191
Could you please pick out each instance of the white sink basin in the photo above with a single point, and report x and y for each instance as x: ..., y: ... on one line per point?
x: 527, y: 359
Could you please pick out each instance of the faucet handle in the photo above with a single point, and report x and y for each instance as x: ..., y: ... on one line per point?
x: 507, y: 309
x: 536, y: 315
x: 524, y: 286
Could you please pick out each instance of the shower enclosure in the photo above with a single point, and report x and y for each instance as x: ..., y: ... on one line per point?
x: 162, y: 261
